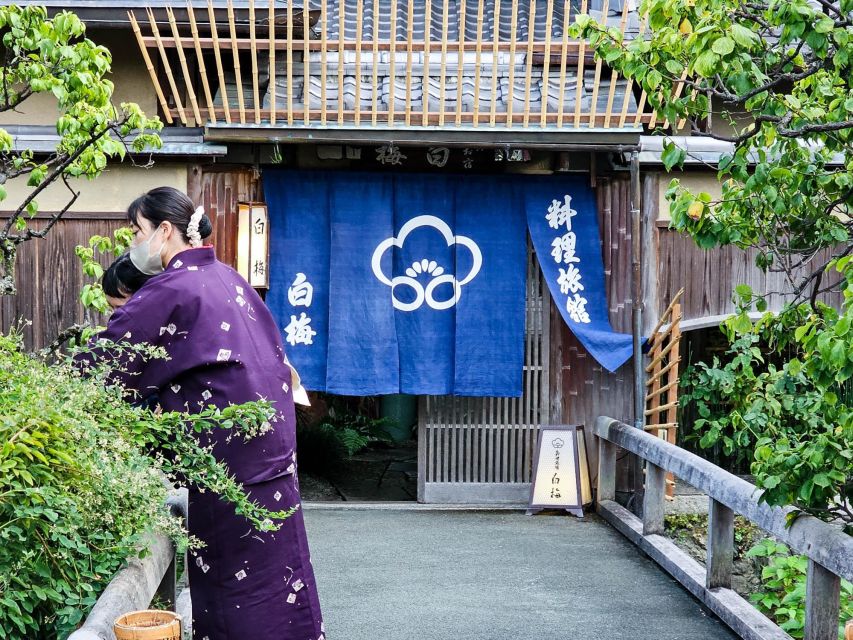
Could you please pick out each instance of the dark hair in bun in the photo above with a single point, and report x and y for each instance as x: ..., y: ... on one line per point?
x: 167, y: 203
x: 122, y: 279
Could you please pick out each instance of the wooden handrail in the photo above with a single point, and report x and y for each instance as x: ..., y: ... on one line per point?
x: 828, y: 549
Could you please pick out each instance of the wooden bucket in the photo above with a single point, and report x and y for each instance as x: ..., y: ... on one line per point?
x: 151, y: 624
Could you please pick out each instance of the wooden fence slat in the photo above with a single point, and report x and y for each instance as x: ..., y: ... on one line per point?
x: 375, y: 62
x: 150, y: 66
x: 220, y: 70
x: 580, y: 78
x: 167, y: 67
x: 241, y: 104
x: 460, y: 63
x: 593, y: 107
x: 393, y: 63
x: 410, y: 26
x: 425, y: 78
x: 272, y: 43
x: 513, y: 42
x: 528, y: 63
x: 306, y: 65
x: 289, y: 71
x: 614, y: 76
x: 495, y: 42
x: 549, y: 16
x: 567, y: 13
x: 256, y: 96
x: 478, y: 57
x: 182, y: 59
x: 443, y: 69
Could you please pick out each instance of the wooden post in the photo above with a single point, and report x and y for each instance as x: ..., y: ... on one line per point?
x: 720, y: 545
x: 567, y: 14
x: 306, y: 63
x: 528, y: 63
x: 460, y: 62
x: 410, y: 21
x: 272, y: 59
x: 392, y: 60
x: 150, y: 66
x: 478, y: 57
x: 653, y: 500
x: 580, y: 70
x: 235, y: 52
x: 375, y: 64
x: 606, y: 470
x: 495, y: 43
x: 202, y: 71
x: 324, y: 34
x: 823, y: 596
x: 219, y: 69
x: 289, y: 38
x: 425, y: 76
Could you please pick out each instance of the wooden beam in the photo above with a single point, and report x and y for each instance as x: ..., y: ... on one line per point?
x: 496, y: 36
x: 546, y: 63
x: 580, y: 79
x: 202, y: 71
x: 528, y: 62
x: 256, y: 96
x: 188, y: 81
x: 223, y: 90
x: 241, y: 103
x: 150, y: 66
x: 567, y: 13
x: 167, y: 67
x: 460, y: 52
x: 306, y: 64
x: 593, y: 107
x: 272, y: 44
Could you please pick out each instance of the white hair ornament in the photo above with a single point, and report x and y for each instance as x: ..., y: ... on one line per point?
x: 192, y: 228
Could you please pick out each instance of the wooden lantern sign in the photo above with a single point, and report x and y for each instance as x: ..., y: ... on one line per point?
x: 560, y: 471
x: 253, y: 243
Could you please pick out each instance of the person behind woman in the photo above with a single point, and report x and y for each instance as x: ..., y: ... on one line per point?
x: 121, y: 280
x: 224, y: 348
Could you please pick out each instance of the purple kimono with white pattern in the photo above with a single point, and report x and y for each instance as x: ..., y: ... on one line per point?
x: 225, y: 348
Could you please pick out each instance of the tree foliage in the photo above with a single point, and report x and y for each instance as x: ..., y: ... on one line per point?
x: 777, y: 74
x: 53, y: 56
x: 81, y: 485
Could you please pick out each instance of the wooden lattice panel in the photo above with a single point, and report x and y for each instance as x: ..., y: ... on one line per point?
x: 377, y: 63
x: 662, y: 383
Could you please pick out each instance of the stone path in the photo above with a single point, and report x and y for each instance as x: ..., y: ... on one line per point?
x: 415, y: 574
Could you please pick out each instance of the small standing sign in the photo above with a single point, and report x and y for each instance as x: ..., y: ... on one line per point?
x: 560, y: 471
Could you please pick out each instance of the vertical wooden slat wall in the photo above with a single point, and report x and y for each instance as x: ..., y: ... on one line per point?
x: 337, y: 33
x: 467, y: 442
x: 49, y: 279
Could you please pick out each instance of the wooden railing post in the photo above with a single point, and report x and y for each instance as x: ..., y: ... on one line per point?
x: 823, y: 596
x: 606, y: 470
x: 653, y: 499
x: 720, y: 545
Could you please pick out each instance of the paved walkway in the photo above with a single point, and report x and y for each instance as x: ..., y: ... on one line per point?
x: 448, y: 575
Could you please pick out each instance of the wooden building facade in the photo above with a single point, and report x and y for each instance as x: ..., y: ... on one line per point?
x: 497, y: 86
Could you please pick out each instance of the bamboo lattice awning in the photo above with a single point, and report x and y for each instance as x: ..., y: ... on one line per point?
x: 374, y: 63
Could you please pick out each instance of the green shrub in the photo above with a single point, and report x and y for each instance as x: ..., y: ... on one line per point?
x: 83, y: 477
x: 783, y: 597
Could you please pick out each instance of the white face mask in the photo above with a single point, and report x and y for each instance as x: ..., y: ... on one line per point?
x: 148, y: 263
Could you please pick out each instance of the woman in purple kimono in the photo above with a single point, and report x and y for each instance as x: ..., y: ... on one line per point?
x: 224, y: 348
